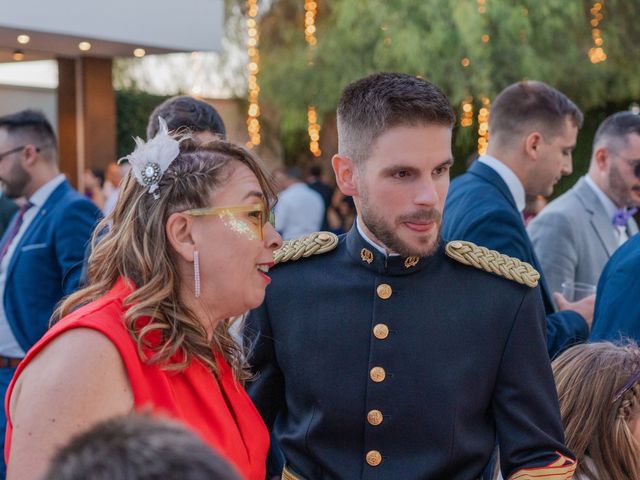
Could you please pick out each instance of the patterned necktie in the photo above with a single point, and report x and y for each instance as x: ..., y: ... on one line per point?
x: 14, y: 229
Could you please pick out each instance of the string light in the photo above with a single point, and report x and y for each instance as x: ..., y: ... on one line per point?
x: 466, y: 119
x: 596, y: 53
x: 314, y: 131
x: 253, y: 113
x: 483, y: 126
x: 310, y: 12
x: 482, y: 7
x: 313, y: 127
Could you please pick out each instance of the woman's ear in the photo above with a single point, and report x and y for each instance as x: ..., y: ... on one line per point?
x: 345, y: 170
x: 178, y: 230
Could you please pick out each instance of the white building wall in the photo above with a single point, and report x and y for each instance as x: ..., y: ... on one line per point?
x: 14, y: 98
x: 185, y: 25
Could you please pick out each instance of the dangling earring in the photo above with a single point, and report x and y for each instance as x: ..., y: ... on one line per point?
x: 196, y: 273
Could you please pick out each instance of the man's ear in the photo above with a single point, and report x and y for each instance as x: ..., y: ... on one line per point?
x: 178, y: 230
x: 29, y: 155
x: 532, y: 144
x: 345, y: 172
x: 601, y: 156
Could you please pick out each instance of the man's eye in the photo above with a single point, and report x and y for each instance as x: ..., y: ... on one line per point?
x: 401, y: 174
x: 441, y: 170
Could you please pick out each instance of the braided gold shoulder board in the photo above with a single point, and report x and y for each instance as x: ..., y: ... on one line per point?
x: 493, y: 262
x: 302, y: 247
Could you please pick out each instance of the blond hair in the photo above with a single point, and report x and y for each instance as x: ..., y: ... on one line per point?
x: 136, y: 247
x: 588, y: 377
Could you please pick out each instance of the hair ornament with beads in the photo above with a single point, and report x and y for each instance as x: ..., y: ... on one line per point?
x: 150, y: 160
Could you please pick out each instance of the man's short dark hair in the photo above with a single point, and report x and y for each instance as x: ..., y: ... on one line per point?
x: 372, y: 105
x: 528, y: 104
x: 31, y: 125
x: 138, y: 447
x: 612, y: 132
x: 189, y: 112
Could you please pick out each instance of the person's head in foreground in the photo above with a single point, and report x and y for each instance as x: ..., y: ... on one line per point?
x: 533, y: 129
x: 394, y: 156
x: 138, y: 447
x: 197, y: 243
x: 184, y: 112
x: 615, y: 159
x: 599, y: 392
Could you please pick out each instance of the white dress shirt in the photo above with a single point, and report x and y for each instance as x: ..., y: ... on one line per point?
x: 9, y: 346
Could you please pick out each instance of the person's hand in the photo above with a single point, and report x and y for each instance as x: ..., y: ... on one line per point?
x: 584, y: 307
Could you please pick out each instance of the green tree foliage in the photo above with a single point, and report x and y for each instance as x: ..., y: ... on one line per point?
x: 547, y: 40
x: 133, y: 108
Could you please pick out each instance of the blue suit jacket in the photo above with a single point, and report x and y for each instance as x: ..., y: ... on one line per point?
x: 481, y: 209
x: 617, y: 311
x: 46, y: 264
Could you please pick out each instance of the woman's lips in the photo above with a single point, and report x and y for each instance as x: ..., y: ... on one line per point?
x: 265, y: 276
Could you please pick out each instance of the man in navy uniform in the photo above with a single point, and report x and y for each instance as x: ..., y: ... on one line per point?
x: 617, y: 312
x: 532, y: 132
x: 386, y: 357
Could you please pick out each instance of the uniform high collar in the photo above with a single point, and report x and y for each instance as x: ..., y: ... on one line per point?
x: 370, y: 258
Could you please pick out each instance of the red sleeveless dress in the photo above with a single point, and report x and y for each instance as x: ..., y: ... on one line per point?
x: 221, y: 412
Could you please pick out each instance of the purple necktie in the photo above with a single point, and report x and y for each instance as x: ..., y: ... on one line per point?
x: 622, y: 216
x: 14, y: 229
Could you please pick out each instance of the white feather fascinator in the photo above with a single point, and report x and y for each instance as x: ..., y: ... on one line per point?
x: 151, y: 159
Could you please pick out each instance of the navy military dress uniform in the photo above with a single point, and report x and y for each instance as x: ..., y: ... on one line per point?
x: 382, y: 367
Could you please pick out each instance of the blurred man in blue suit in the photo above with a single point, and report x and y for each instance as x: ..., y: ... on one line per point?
x: 42, y: 249
x: 617, y: 312
x: 532, y: 133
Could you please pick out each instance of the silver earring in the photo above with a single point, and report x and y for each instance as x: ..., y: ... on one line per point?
x: 196, y: 273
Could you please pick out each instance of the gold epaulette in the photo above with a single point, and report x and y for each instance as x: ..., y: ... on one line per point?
x: 302, y: 247
x: 494, y: 262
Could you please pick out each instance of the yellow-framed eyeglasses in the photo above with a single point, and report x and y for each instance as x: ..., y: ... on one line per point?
x: 256, y: 212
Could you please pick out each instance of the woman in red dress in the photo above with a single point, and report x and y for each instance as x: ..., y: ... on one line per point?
x: 189, y: 248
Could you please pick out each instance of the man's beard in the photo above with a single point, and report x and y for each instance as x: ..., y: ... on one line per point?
x: 19, y: 180
x: 387, y: 235
x: 618, y: 189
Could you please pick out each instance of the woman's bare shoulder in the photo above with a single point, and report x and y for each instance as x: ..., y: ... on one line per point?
x: 76, y: 381
x: 81, y: 362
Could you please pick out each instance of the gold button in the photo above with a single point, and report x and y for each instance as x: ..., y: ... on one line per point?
x: 374, y: 458
x: 381, y: 331
x: 377, y: 374
x: 455, y: 244
x: 374, y: 417
x: 384, y: 291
